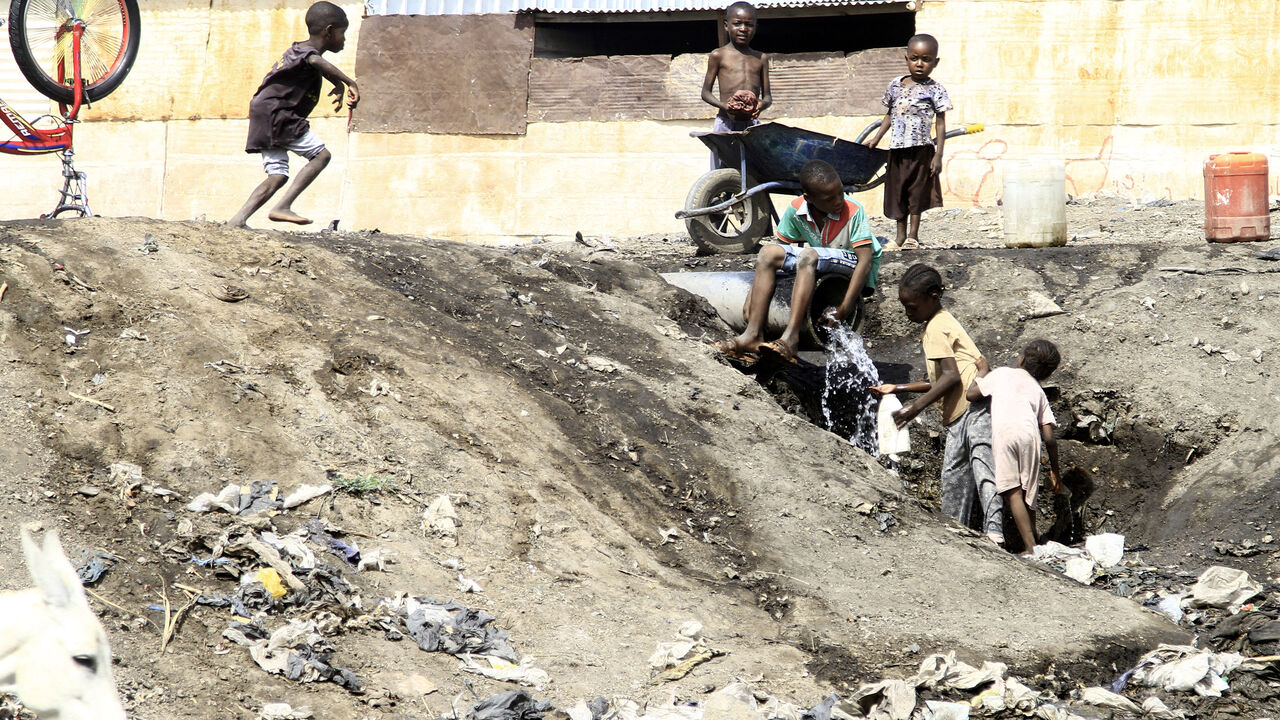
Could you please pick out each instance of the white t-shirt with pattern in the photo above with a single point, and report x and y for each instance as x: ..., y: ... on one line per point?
x: 911, y: 110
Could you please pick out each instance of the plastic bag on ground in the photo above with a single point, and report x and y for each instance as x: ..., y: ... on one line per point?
x: 892, y: 441
x: 734, y: 701
x: 305, y: 493
x: 1079, y: 569
x: 1101, y: 697
x: 499, y: 669
x: 886, y: 700
x: 514, y: 705
x: 1223, y: 587
x: 939, y: 710
x: 1107, y: 548
x: 944, y: 670
x: 1184, y: 668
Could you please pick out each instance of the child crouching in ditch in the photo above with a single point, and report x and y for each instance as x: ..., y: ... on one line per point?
x: 1020, y: 419
x: 952, y: 360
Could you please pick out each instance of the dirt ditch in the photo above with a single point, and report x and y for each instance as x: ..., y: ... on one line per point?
x: 612, y: 479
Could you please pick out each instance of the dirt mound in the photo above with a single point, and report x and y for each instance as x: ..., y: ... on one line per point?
x: 611, y: 477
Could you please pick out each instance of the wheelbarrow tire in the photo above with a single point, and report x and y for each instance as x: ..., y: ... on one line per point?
x: 736, y: 230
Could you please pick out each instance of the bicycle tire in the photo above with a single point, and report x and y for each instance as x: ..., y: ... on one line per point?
x: 109, y: 45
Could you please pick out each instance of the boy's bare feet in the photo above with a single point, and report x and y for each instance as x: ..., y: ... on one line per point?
x: 288, y: 216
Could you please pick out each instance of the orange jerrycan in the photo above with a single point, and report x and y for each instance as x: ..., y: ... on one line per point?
x: 1235, y: 198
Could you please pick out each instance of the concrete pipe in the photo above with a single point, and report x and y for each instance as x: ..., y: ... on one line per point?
x: 727, y: 293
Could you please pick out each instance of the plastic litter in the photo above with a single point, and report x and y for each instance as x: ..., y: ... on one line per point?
x: 886, y: 700
x: 939, y: 710
x: 1183, y: 668
x: 441, y: 519
x: 238, y: 500
x: 1079, y: 569
x: 514, y: 705
x: 1101, y: 697
x: 734, y: 701
x: 284, y: 711
x: 1223, y: 587
x: 305, y: 493
x: 454, y: 629
x: 270, y: 580
x: 1106, y: 549
x: 524, y: 673
x: 95, y: 566
x: 1171, y: 607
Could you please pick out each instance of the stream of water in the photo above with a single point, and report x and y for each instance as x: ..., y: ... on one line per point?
x: 847, y: 406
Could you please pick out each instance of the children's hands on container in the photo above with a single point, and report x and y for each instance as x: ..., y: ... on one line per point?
x: 886, y: 389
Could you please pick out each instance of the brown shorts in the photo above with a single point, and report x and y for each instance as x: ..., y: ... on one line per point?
x: 910, y: 187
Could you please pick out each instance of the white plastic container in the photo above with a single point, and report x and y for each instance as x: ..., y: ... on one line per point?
x: 1035, y: 202
x: 892, y: 441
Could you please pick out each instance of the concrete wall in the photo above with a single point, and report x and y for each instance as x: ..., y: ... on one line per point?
x: 1133, y: 93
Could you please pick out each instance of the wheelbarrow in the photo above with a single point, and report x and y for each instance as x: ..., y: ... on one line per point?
x: 729, y: 210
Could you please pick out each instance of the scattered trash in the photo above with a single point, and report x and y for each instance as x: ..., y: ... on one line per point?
x: 95, y: 566
x: 283, y: 711
x: 305, y: 493
x: 514, y: 705
x: 441, y: 519
x: 467, y: 585
x: 149, y: 245
x: 297, y: 651
x: 1101, y: 697
x: 523, y: 673
x: 238, y: 500
x: 1171, y: 607
x: 1184, y: 668
x: 1223, y: 587
x: 1106, y: 549
x: 453, y: 629
x: 886, y: 700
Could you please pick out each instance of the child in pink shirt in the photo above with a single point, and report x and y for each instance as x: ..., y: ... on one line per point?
x: 1020, y: 419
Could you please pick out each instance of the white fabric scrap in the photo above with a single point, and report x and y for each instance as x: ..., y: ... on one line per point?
x: 283, y: 711
x: 1223, y: 587
x: 305, y: 493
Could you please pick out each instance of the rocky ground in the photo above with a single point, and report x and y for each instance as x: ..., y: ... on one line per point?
x: 610, y: 477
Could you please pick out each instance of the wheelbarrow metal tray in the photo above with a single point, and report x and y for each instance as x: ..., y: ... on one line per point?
x: 776, y: 152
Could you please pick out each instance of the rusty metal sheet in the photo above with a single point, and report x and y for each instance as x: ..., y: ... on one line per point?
x: 458, y: 74
x: 621, y: 87
x: 657, y: 87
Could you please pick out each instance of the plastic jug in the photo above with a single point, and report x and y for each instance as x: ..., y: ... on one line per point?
x: 891, y: 440
x: 1235, y: 198
x: 1035, y: 202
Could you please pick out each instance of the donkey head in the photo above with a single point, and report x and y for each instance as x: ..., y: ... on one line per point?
x: 59, y: 664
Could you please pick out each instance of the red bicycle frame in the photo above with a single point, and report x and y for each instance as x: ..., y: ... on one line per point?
x: 32, y: 140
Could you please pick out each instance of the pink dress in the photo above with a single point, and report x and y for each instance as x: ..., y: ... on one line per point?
x: 1018, y: 409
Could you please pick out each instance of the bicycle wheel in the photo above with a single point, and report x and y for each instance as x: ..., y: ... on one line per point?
x: 40, y: 33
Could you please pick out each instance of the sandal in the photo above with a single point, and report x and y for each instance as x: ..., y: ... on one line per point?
x: 727, y: 349
x: 777, y: 350
x: 911, y: 244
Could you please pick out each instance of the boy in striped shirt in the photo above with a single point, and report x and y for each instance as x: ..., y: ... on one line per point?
x: 824, y: 231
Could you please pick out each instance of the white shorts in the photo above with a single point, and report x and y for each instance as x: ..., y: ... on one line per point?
x: 276, y: 160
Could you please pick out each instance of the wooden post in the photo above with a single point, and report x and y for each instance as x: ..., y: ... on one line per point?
x: 722, y: 37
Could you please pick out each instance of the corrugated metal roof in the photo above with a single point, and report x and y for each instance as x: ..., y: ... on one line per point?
x: 477, y: 7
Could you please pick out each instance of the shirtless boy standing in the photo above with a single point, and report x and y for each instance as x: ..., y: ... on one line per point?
x: 741, y: 72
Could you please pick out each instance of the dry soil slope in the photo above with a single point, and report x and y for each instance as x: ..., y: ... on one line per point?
x: 558, y: 392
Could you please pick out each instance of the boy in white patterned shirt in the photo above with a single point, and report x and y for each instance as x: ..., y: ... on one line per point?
x: 912, y: 179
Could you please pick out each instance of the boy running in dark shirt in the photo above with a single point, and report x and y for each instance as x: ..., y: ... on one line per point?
x: 278, y: 113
